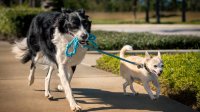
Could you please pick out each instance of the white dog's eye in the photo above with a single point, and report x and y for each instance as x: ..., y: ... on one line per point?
x: 155, y: 66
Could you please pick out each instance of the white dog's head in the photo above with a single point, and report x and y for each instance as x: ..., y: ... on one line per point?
x: 154, y: 64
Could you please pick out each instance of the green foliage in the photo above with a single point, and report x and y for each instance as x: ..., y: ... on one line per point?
x: 127, y: 5
x: 116, y: 40
x: 16, y: 21
x: 109, y: 64
x: 180, y: 79
x: 100, y: 5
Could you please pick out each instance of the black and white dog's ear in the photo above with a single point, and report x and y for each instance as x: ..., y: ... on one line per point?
x: 63, y: 10
x: 81, y: 11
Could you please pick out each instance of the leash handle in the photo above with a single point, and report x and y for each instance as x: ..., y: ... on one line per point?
x: 75, y: 43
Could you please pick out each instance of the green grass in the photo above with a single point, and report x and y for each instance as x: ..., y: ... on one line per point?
x: 128, y: 18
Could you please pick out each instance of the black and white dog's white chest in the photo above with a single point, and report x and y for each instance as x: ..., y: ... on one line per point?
x: 60, y: 41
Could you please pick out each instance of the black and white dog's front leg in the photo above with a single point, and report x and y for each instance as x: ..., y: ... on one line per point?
x: 63, y: 75
x: 67, y: 88
x: 70, y: 72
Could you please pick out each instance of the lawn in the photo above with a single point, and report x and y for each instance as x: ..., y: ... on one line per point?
x: 128, y: 18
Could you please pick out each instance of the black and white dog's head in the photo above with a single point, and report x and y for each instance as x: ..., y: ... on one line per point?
x: 74, y: 23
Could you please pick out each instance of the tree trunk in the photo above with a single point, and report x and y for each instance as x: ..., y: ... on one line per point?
x: 32, y: 3
x: 134, y: 7
x: 20, y: 2
x: 147, y: 10
x: 158, y: 11
x: 183, y: 10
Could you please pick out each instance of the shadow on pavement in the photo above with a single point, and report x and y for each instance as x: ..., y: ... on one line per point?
x: 107, y: 100
x: 117, y: 100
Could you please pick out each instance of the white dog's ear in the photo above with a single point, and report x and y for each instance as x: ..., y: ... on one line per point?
x: 159, y: 55
x: 147, y: 56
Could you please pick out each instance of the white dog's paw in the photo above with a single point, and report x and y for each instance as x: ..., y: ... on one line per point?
x: 153, y: 98
x: 76, y: 108
x: 157, y: 96
x: 60, y: 88
x: 126, y: 94
x: 31, y: 80
x: 135, y: 94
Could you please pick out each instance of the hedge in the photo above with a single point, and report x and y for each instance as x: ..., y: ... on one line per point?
x: 15, y: 21
x: 180, y: 79
x: 116, y: 40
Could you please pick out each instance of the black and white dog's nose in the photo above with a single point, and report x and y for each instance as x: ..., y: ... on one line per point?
x: 84, y: 36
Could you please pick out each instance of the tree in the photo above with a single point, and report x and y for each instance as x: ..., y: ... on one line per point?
x: 158, y: 11
x: 184, y: 10
x: 32, y: 3
x: 147, y: 10
x: 134, y: 5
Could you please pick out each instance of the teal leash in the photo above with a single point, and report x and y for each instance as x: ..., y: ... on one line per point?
x: 75, y: 43
x: 114, y: 56
x: 91, y: 40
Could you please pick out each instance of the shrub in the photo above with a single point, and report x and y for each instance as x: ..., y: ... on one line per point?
x: 16, y: 21
x: 180, y: 79
x: 116, y: 40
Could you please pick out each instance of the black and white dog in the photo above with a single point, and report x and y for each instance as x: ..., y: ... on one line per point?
x: 45, y: 44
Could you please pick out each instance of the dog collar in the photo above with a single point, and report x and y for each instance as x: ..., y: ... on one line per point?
x: 70, y: 33
x: 147, y: 69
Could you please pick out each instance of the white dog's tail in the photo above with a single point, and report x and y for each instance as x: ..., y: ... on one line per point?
x: 124, y: 49
x: 20, y: 49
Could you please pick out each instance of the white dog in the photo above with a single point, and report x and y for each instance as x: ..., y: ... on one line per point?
x: 152, y: 68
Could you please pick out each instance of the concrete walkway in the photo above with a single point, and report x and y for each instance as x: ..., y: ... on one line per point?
x: 163, y: 29
x: 95, y: 91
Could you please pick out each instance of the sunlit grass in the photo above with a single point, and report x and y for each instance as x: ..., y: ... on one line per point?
x: 128, y: 18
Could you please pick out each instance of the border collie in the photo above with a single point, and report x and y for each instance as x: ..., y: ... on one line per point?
x: 45, y: 44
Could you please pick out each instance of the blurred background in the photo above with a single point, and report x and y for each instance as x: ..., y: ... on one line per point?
x: 123, y: 11
x: 16, y: 14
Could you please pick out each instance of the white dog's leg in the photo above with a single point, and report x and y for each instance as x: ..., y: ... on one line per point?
x: 147, y: 88
x: 124, y: 87
x: 132, y: 89
x: 47, y: 83
x: 157, y: 85
x: 67, y: 88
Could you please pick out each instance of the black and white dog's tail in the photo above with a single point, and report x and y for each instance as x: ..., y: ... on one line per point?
x: 21, y: 51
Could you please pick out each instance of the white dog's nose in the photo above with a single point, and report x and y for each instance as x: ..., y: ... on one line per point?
x: 161, y: 71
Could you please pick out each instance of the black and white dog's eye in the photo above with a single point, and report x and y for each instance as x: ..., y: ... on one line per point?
x: 76, y: 23
x: 155, y: 66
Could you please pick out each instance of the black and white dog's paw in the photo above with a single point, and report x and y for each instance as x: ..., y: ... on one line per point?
x: 76, y: 108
